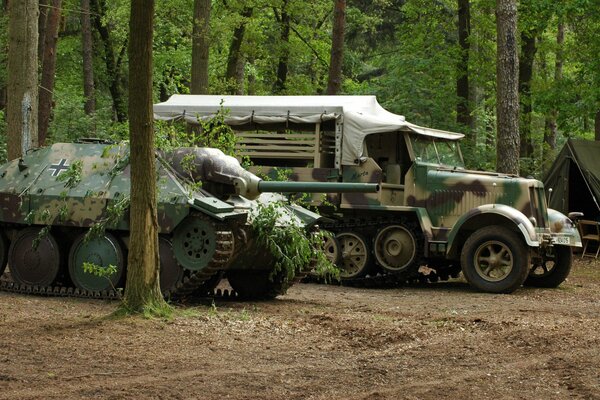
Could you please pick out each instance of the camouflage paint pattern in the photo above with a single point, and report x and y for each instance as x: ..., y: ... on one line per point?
x: 448, y: 199
x: 33, y: 193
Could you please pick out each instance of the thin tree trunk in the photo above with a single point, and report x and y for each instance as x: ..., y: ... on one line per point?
x: 463, y: 109
x: 282, y: 66
x: 528, y: 50
x: 234, y: 59
x: 200, y: 46
x: 42, y: 18
x: 48, y: 70
x: 2, y: 97
x: 22, y: 103
x: 87, y: 50
x: 597, y: 126
x: 4, y: 49
x: 334, y: 83
x: 551, y: 129
x: 507, y: 83
x: 143, y: 285
x: 113, y: 62
x: 240, y: 69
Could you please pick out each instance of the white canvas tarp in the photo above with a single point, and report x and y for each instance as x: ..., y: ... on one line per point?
x: 360, y: 115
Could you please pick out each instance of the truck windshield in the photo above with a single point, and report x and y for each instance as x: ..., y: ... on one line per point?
x: 437, y: 151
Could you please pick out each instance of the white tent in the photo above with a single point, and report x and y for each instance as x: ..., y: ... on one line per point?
x: 359, y: 115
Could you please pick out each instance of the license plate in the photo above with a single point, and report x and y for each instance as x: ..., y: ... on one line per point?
x: 562, y: 240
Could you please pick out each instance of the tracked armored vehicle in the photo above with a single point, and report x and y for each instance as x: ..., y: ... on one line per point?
x: 430, y: 219
x: 64, y: 209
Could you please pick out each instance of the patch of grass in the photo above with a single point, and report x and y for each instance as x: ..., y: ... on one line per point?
x: 244, y: 315
x: 159, y: 310
x: 567, y: 288
x: 187, y: 313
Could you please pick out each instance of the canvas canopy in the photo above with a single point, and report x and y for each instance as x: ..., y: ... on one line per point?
x: 575, y: 179
x: 359, y: 115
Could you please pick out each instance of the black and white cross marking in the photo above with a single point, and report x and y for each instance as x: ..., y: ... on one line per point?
x: 60, y: 167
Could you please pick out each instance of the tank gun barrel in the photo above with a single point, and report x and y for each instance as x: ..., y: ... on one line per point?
x: 211, y: 165
x: 316, y: 187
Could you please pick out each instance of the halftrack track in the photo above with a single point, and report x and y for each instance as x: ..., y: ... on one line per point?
x: 376, y: 276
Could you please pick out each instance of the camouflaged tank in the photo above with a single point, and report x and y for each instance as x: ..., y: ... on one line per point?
x: 431, y: 218
x: 65, y: 207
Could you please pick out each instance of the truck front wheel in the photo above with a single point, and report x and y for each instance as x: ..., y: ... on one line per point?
x: 494, y: 259
x: 553, y: 269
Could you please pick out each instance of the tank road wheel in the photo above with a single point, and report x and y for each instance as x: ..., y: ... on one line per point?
x: 331, y: 248
x: 257, y: 285
x: 356, y: 257
x: 494, y: 259
x: 34, y: 257
x: 395, y: 248
x: 194, y: 243
x: 3, y: 252
x: 171, y: 273
x: 553, y: 270
x: 101, y: 251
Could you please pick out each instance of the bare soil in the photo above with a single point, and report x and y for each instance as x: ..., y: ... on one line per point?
x: 440, y: 341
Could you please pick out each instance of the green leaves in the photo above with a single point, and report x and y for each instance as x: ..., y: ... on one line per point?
x: 72, y: 176
x: 98, y: 270
x: 294, y: 249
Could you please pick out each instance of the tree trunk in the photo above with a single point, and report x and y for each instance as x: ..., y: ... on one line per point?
x: 22, y: 103
x: 113, y: 61
x: 528, y: 50
x: 200, y: 47
x: 284, y: 56
x: 87, y: 51
x: 551, y: 129
x: 334, y: 84
x: 507, y: 83
x: 240, y: 69
x: 235, y: 59
x: 42, y: 18
x: 4, y: 49
x: 463, y: 109
x: 597, y: 126
x: 142, y: 291
x: 48, y: 70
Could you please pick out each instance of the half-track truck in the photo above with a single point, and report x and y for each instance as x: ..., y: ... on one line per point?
x: 64, y: 211
x: 430, y: 219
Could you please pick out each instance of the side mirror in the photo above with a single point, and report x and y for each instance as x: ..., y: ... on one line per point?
x: 575, y: 215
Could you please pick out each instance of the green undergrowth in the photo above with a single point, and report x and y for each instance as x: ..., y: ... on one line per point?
x: 294, y: 249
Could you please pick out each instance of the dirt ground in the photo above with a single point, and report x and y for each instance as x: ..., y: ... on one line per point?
x: 441, y: 341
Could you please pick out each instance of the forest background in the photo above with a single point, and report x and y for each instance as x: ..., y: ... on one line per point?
x: 432, y: 61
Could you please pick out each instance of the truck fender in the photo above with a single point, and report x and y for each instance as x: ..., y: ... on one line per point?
x: 513, y: 215
x: 562, y: 225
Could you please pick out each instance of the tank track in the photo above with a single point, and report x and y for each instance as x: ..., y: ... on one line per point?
x: 383, y: 278
x: 67, y: 291
x: 191, y: 285
x: 224, y: 252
